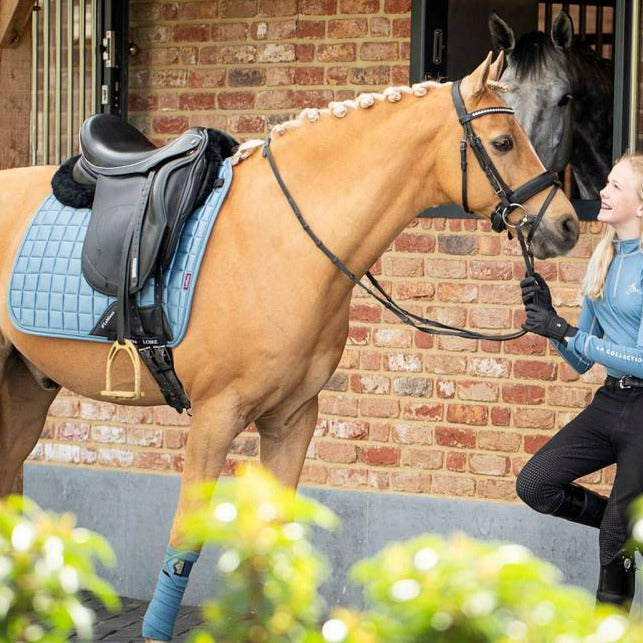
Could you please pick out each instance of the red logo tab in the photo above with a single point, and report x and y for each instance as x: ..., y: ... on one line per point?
x: 186, y: 280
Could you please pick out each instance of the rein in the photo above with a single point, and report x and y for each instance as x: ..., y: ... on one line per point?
x: 509, y: 200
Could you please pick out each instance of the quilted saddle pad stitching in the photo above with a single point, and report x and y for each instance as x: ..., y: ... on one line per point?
x: 76, y: 306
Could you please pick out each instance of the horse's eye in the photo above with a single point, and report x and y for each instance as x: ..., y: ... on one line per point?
x: 503, y: 143
x: 564, y: 100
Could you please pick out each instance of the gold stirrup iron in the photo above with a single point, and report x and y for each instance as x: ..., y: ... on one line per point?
x: 132, y: 353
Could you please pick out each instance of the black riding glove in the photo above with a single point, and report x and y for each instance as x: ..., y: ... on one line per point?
x: 546, y: 323
x: 535, y: 290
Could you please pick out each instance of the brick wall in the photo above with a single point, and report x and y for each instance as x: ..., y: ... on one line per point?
x: 404, y: 412
x: 244, y: 65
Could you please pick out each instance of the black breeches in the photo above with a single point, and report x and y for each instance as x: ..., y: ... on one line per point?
x: 609, y: 430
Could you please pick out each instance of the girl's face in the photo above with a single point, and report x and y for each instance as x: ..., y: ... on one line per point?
x: 620, y: 202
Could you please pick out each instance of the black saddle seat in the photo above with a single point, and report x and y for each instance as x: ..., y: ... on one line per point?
x: 111, y: 146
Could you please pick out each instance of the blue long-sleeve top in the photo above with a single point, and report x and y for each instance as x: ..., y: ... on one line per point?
x: 610, y: 329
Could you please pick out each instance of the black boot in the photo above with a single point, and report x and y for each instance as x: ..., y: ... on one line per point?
x: 617, y: 581
x: 582, y: 506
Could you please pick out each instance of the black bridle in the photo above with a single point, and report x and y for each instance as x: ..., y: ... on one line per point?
x: 509, y: 200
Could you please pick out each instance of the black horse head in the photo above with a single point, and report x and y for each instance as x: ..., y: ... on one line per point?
x: 562, y: 92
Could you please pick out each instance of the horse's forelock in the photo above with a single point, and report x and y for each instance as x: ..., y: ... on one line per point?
x: 533, y: 53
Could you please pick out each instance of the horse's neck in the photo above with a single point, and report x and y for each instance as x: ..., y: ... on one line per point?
x: 590, y: 160
x: 593, y: 88
x: 361, y: 179
x: 593, y: 104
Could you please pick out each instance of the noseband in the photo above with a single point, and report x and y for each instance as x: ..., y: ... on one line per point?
x: 509, y: 201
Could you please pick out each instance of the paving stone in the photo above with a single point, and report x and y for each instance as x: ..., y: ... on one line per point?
x: 125, y: 626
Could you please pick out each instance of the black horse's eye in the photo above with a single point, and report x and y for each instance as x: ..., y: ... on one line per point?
x: 503, y: 143
x: 564, y: 100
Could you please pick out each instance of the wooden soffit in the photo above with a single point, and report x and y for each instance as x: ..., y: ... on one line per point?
x: 14, y: 16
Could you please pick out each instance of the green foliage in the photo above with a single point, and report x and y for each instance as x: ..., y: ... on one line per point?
x: 45, y: 562
x: 458, y: 590
x: 269, y: 572
x: 453, y: 590
x: 636, y: 511
x: 430, y: 589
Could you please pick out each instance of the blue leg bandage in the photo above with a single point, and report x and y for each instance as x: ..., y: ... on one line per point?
x: 158, y: 622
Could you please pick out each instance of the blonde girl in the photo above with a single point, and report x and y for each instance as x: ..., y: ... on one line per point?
x: 610, y: 429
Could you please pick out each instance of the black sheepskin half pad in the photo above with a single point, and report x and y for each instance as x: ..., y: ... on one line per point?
x: 219, y: 147
x: 67, y: 190
x: 77, y: 195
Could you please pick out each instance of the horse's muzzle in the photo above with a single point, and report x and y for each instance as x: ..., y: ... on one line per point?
x: 555, y: 238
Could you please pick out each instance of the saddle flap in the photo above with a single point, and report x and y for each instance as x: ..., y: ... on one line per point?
x: 157, y: 217
x: 114, y: 202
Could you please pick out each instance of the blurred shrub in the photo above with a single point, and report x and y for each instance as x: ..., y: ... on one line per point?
x: 458, y: 590
x: 45, y: 564
x: 269, y: 572
x: 636, y: 511
x: 430, y: 589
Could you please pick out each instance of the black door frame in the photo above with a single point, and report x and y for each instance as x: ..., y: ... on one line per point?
x: 112, y: 57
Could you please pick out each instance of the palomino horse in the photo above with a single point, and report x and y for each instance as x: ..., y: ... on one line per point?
x: 562, y: 91
x: 270, y: 313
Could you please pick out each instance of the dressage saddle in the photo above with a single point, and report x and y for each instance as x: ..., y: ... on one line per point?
x: 141, y: 197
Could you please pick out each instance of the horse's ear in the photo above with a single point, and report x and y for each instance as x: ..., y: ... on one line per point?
x: 502, y: 35
x: 562, y: 31
x: 495, y: 71
x: 475, y: 83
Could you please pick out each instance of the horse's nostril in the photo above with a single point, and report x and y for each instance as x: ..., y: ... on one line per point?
x: 570, y: 225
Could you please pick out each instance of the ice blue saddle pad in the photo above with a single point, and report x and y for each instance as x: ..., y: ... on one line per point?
x: 49, y: 296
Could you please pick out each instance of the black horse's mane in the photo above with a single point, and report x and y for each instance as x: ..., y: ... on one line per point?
x: 588, y: 68
x: 535, y: 50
